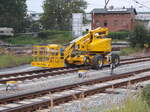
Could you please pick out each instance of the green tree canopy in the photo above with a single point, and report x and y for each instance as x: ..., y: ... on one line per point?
x: 12, y: 14
x: 58, y: 13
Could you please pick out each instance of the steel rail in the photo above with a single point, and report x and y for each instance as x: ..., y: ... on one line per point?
x: 134, y: 61
x: 30, y: 77
x: 31, y: 72
x: 135, y: 58
x: 56, y: 101
x: 67, y: 87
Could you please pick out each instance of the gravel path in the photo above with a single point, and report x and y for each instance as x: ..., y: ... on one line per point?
x: 55, y: 81
x: 98, y: 102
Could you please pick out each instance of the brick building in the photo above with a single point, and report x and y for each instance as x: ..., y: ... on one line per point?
x: 115, y: 19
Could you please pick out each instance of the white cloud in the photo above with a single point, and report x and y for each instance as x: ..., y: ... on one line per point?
x: 36, y: 5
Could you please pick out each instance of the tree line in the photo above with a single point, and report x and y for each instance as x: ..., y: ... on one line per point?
x: 57, y: 14
x: 12, y: 14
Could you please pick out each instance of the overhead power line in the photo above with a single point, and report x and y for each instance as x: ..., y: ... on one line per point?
x: 141, y: 4
x: 106, y: 3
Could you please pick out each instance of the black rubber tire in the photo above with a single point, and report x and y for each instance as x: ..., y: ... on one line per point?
x: 116, y: 59
x: 96, y: 60
x: 68, y: 65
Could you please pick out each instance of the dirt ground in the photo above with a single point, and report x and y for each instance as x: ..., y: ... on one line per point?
x: 145, y: 52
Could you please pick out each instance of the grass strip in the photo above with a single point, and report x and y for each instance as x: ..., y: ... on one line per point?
x: 10, y: 60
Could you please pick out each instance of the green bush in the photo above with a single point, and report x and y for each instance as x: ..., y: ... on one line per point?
x: 115, y: 35
x: 129, y: 50
x: 85, y: 32
x: 119, y: 35
x: 139, y: 36
x: 21, y: 39
x: 47, y: 33
x: 146, y: 94
x: 45, y: 37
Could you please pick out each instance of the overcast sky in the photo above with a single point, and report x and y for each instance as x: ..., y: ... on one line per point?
x: 36, y: 5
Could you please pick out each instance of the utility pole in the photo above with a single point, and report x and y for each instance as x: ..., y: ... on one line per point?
x: 106, y: 3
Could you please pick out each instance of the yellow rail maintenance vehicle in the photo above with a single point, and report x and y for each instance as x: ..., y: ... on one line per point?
x: 93, y: 49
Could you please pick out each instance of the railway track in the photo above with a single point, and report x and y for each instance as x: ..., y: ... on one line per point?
x: 135, y: 58
x: 43, y: 99
x: 40, y: 75
x: 30, y: 75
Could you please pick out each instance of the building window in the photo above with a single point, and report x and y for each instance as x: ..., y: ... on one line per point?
x: 105, y: 23
x: 124, y: 22
x: 115, y: 22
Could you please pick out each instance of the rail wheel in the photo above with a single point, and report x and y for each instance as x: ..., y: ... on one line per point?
x: 98, y: 62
